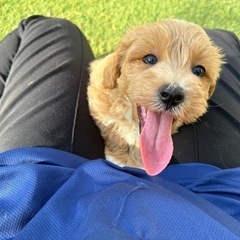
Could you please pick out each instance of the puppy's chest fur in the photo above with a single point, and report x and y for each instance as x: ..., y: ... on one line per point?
x: 119, y: 125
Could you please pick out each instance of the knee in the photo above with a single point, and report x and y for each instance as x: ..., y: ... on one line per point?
x: 49, y: 25
x: 51, y: 21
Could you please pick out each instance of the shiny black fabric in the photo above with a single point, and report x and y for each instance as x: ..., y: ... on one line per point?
x: 43, y: 80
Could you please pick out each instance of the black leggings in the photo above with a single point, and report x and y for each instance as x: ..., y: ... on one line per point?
x: 43, y: 80
x: 43, y: 70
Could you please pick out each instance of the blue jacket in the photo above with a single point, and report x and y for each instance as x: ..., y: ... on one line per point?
x: 50, y: 194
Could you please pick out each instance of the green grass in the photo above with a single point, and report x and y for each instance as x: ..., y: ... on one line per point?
x: 104, y: 21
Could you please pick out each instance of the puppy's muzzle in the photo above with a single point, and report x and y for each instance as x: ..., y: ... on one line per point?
x: 171, y: 96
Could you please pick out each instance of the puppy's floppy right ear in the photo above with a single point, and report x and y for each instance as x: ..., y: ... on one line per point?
x: 116, y: 59
x: 112, y: 71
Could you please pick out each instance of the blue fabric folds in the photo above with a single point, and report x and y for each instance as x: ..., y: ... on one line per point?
x: 50, y: 194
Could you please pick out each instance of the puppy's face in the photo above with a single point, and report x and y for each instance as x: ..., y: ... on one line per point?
x: 170, y: 59
x: 167, y: 71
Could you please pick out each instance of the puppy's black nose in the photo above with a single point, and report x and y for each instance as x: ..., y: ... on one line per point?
x: 171, y: 96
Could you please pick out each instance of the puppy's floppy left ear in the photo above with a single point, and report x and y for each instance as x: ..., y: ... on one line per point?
x: 211, y: 90
x: 219, y: 60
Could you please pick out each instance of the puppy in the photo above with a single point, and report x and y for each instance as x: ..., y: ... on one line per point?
x: 159, y: 77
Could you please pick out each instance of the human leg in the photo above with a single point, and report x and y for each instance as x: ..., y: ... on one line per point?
x: 43, y: 72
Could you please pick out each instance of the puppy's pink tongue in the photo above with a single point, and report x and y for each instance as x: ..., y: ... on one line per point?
x: 156, y: 142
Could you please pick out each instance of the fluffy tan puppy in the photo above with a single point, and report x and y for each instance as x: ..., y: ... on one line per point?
x: 158, y: 78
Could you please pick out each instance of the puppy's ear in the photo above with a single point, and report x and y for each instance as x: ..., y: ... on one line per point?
x: 211, y: 90
x: 112, y: 71
x: 116, y: 60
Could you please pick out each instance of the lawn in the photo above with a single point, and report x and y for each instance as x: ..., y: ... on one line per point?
x: 105, y: 21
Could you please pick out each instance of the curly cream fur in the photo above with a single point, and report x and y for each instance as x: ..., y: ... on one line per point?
x: 121, y: 81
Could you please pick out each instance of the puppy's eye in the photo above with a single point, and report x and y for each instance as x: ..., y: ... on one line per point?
x: 199, y: 71
x: 150, y: 59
